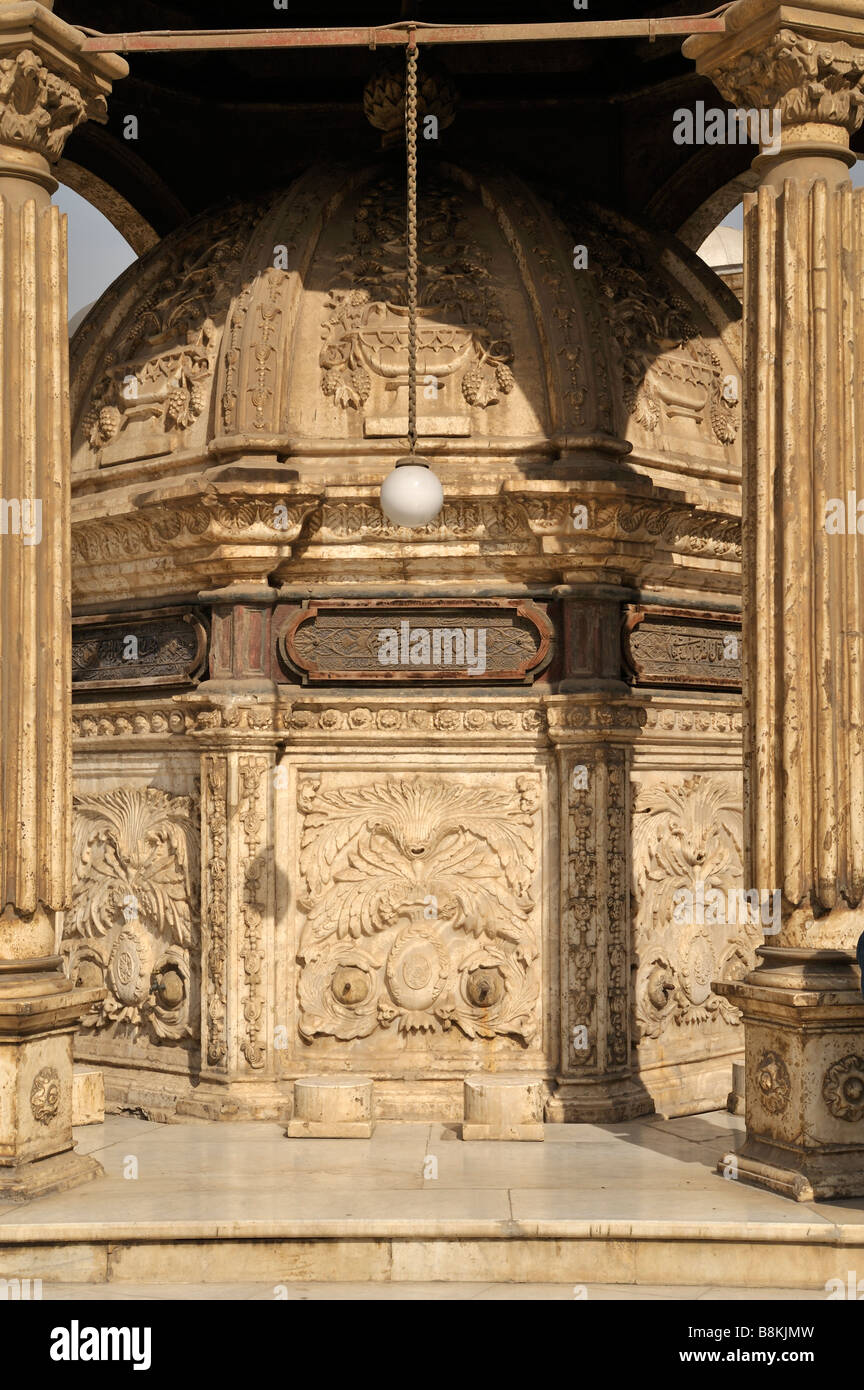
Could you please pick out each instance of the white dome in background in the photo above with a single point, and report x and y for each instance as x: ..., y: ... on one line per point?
x: 724, y: 248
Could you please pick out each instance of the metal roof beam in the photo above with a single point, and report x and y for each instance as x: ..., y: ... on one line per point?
x: 402, y: 34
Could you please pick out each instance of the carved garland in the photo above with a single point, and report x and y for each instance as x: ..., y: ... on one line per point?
x: 215, y: 822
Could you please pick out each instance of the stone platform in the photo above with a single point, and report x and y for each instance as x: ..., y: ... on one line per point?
x: 630, y: 1204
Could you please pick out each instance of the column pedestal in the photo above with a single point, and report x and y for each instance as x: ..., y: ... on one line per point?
x: 38, y: 1018
x: 804, y: 1088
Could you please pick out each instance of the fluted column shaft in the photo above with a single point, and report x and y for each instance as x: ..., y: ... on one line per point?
x: 804, y: 582
x: 47, y: 88
x: 35, y: 670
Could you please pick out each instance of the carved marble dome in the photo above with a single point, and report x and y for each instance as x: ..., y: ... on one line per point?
x: 270, y: 339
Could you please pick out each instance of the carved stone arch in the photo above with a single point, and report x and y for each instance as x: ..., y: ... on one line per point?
x: 116, y: 209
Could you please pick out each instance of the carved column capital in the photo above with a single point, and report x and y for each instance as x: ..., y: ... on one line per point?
x: 807, y: 63
x: 39, y: 109
x: 810, y: 82
x: 48, y: 87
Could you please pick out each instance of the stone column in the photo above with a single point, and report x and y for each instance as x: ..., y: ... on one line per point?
x: 803, y: 592
x: 47, y: 88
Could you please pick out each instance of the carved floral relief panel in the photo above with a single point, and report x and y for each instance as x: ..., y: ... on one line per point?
x: 477, y: 347
x: 133, y: 926
x: 687, y: 849
x: 419, y: 910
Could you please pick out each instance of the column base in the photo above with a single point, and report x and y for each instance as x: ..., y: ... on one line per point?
x: 24, y: 1181
x: 804, y: 1075
x: 598, y: 1101
x: 39, y: 1013
x: 801, y: 1176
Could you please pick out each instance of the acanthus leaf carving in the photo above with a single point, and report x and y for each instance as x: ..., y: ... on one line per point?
x: 38, y: 108
x: 806, y: 79
x: 687, y: 836
x: 400, y: 877
x: 133, y: 923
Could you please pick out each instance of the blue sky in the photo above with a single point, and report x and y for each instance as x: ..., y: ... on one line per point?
x: 97, y: 253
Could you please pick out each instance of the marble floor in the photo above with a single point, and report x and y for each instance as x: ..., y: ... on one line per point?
x: 621, y: 1197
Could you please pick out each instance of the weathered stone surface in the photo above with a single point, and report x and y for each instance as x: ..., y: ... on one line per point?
x: 332, y: 1107
x: 803, y: 657
x: 47, y: 88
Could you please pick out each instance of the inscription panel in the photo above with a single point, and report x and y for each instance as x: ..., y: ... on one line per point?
x: 441, y: 640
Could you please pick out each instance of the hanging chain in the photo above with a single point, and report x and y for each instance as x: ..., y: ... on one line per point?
x: 411, y: 143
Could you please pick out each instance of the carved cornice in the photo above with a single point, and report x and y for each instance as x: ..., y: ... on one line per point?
x: 519, y: 523
x: 368, y: 717
x: 211, y: 521
x: 810, y: 81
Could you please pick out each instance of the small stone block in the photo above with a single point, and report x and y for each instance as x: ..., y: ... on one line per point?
x: 735, y: 1099
x: 503, y: 1107
x: 88, y: 1096
x: 331, y: 1107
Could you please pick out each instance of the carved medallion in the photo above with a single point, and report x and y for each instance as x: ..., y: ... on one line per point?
x: 675, y: 647
x: 843, y: 1088
x: 45, y: 1095
x: 443, y: 640
x: 160, y: 647
x: 772, y: 1082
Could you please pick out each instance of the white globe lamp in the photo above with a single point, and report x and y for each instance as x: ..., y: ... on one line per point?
x: 411, y: 495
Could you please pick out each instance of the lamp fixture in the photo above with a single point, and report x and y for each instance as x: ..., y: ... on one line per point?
x: 412, y: 494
